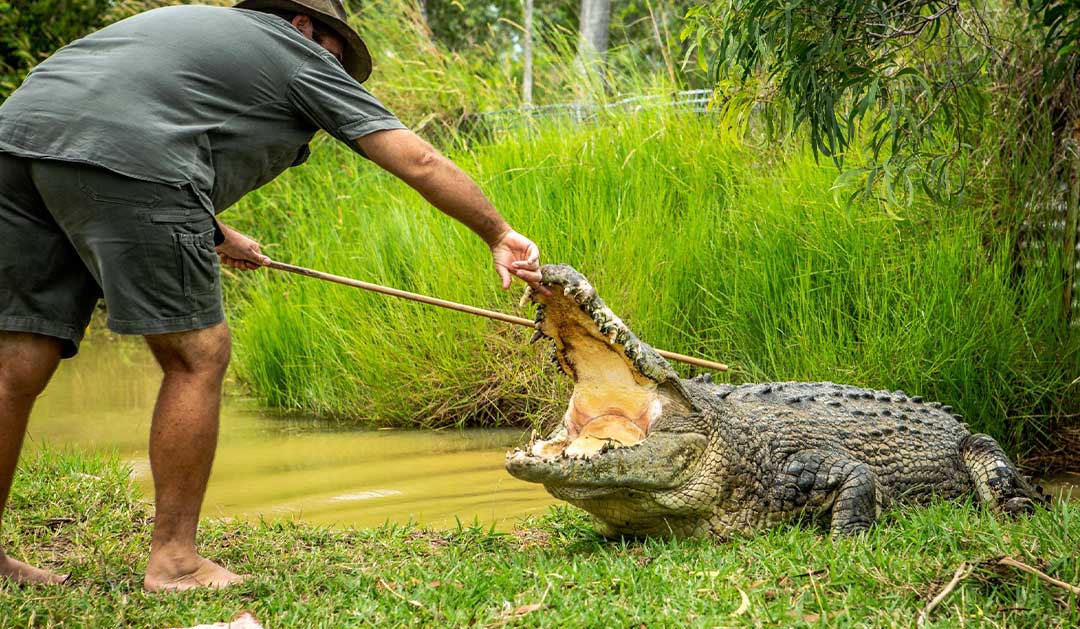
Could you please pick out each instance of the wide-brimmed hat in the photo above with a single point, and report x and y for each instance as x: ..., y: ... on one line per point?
x: 356, y: 60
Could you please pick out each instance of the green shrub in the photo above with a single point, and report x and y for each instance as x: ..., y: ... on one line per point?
x: 30, y: 30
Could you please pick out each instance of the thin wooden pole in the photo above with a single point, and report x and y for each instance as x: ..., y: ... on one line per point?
x: 433, y: 301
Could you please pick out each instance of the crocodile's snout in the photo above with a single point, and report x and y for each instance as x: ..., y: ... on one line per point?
x: 622, y: 390
x: 616, y: 402
x: 661, y: 462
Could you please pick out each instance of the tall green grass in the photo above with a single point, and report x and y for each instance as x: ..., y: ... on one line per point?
x: 702, y: 244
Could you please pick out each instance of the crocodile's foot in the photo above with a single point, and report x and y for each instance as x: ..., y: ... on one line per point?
x: 1018, y: 505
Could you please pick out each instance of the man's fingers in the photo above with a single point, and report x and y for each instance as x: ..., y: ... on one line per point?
x: 531, y: 262
x: 532, y: 254
x: 256, y: 257
x: 238, y: 263
x: 504, y: 275
x: 517, y: 256
x: 532, y: 278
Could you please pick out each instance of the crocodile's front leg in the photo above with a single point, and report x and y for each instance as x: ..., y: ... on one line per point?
x: 826, y: 482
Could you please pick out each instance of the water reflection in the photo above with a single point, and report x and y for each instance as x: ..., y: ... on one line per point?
x: 1062, y: 486
x: 273, y: 467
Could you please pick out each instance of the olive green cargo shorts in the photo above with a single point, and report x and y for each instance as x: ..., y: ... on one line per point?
x: 71, y: 233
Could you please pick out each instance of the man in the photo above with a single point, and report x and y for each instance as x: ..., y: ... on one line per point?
x: 115, y: 155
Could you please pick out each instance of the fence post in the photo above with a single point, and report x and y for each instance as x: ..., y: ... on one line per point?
x: 527, y: 55
x: 1069, y: 231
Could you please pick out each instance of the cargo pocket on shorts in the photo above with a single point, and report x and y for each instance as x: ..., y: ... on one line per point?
x: 193, y: 248
x: 198, y: 262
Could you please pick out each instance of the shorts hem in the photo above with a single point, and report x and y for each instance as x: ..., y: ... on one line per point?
x: 73, y: 335
x: 165, y: 326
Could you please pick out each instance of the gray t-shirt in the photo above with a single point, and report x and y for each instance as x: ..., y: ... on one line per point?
x: 217, y: 98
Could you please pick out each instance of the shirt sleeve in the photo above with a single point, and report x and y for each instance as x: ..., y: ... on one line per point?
x: 324, y: 94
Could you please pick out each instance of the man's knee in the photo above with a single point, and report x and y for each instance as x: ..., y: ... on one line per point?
x: 27, y: 361
x: 202, y: 352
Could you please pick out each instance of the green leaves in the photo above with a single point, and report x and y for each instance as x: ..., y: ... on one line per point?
x: 892, y: 87
x: 31, y: 30
x: 1059, y: 23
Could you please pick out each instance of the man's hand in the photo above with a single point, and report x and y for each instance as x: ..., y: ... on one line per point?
x: 239, y: 251
x: 516, y: 255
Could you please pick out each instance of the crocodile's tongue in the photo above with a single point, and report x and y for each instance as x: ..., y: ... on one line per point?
x: 602, y: 433
x: 609, y: 430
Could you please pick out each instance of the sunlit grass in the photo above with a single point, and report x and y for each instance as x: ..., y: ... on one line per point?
x: 703, y: 245
x: 79, y: 516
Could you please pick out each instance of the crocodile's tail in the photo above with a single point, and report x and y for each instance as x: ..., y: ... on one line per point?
x: 997, y: 481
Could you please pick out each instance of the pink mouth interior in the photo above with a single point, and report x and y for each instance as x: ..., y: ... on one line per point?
x: 613, y: 405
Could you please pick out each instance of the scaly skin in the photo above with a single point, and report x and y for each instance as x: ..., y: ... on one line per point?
x: 725, y: 460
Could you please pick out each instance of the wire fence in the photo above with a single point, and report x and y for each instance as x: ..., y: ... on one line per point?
x: 694, y: 101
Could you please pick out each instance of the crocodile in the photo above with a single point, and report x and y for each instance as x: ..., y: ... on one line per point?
x: 647, y: 452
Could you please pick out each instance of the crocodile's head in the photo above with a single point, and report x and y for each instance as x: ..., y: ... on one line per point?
x: 631, y: 441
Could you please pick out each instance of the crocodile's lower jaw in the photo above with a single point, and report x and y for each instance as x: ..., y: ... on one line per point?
x: 661, y: 461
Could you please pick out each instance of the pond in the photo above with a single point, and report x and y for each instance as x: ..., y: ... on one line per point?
x: 274, y: 467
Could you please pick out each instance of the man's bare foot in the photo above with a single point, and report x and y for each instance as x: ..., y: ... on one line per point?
x: 202, y: 573
x: 24, y: 574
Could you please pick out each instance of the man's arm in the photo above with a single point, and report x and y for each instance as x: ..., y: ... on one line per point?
x: 447, y: 187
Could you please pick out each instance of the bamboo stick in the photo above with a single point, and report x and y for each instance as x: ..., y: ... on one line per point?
x: 433, y: 301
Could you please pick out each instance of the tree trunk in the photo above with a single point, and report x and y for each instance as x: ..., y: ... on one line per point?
x: 527, y: 53
x: 595, y: 17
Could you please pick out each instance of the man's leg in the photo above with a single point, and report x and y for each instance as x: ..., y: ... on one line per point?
x: 27, y: 361
x: 183, y: 438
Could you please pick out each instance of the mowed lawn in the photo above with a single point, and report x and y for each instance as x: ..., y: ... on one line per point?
x: 82, y: 515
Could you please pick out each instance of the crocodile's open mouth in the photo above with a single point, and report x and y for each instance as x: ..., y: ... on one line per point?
x: 616, y: 399
x: 613, y: 405
x: 617, y: 432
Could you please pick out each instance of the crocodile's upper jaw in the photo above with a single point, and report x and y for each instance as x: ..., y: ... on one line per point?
x: 618, y: 394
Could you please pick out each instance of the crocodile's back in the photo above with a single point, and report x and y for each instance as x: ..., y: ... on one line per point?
x: 913, y: 447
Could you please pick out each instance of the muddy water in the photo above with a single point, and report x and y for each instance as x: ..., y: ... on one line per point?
x: 276, y: 468
x: 1063, y: 486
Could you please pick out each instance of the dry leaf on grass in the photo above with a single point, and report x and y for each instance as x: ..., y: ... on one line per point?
x: 509, y: 614
x: 244, y: 620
